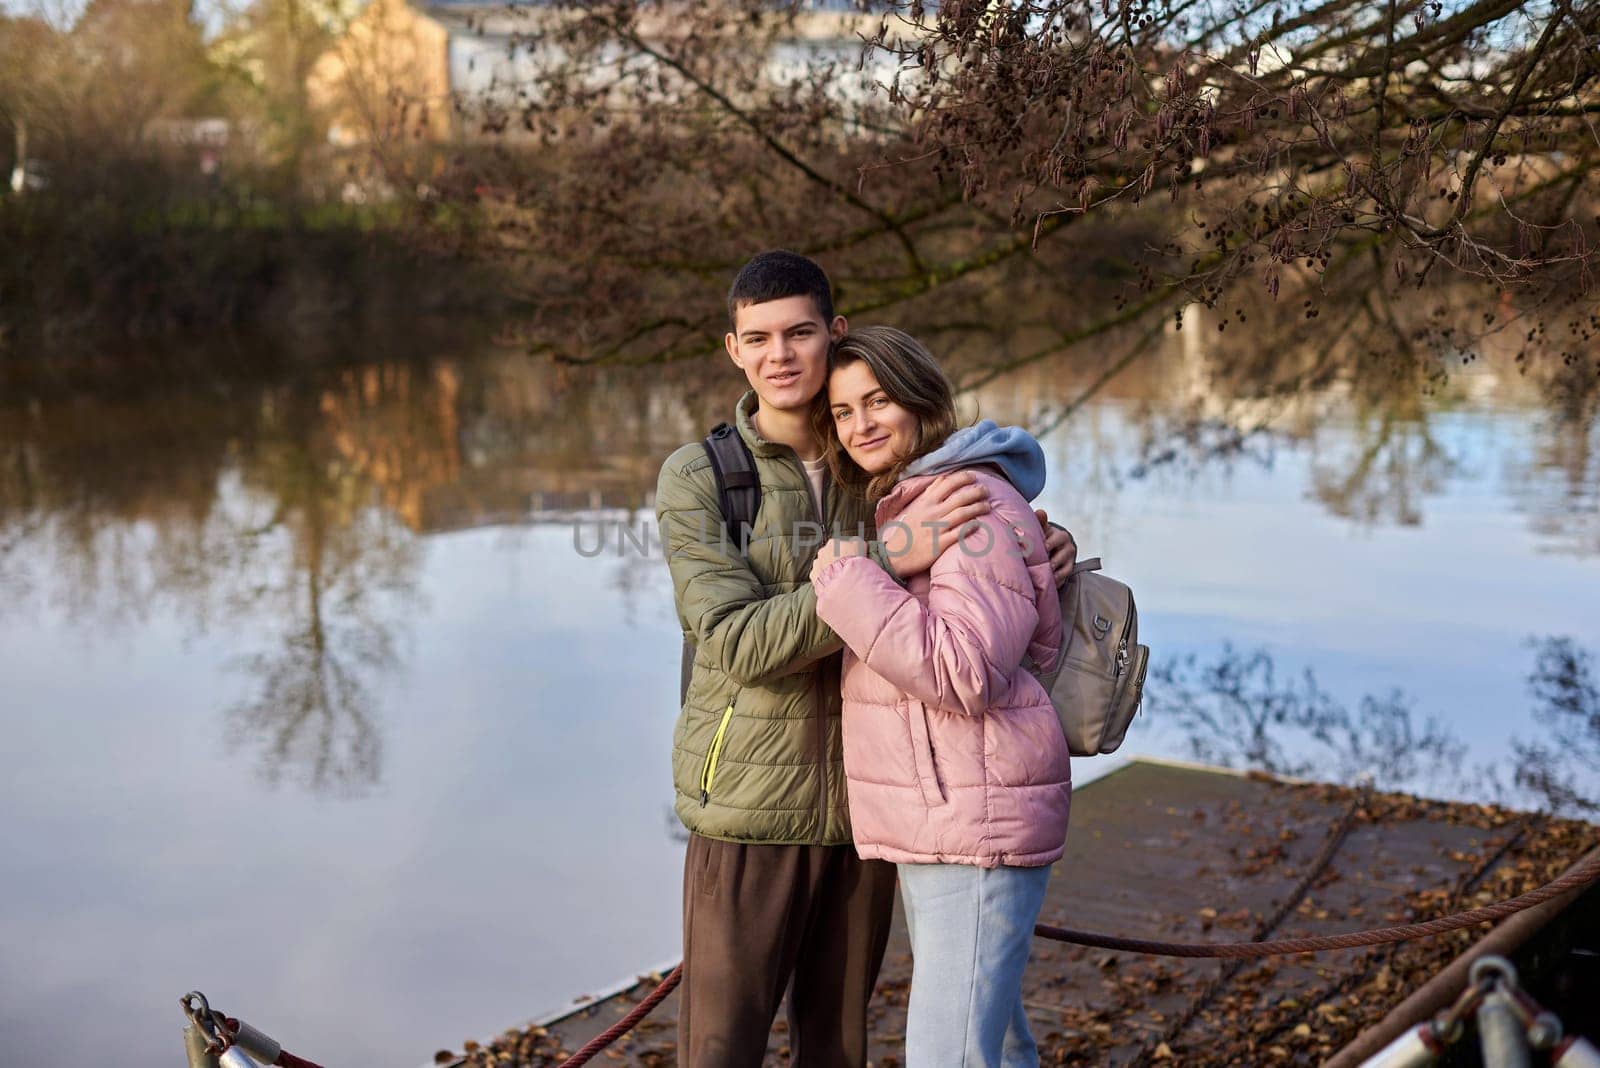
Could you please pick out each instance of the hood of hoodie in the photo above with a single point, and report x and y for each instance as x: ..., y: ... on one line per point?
x: 1010, y: 448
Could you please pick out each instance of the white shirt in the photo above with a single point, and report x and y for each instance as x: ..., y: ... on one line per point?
x: 816, y: 471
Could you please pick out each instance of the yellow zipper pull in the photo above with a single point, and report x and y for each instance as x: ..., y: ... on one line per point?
x: 709, y: 772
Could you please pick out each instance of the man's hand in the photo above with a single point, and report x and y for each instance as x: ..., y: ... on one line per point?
x: 915, y: 539
x: 1059, y: 544
x: 836, y: 549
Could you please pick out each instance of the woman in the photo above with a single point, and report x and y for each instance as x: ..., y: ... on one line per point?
x: 957, y: 767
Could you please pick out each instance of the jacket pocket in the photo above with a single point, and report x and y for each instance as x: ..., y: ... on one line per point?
x: 708, y: 771
x: 922, y: 754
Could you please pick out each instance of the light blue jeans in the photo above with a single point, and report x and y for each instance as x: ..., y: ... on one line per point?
x: 971, y: 929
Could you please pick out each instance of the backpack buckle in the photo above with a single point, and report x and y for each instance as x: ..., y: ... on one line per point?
x: 1102, y: 626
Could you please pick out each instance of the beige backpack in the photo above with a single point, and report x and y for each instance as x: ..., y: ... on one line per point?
x: 1099, y: 677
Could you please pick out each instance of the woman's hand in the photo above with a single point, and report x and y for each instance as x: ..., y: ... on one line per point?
x: 1061, y: 546
x: 835, y: 549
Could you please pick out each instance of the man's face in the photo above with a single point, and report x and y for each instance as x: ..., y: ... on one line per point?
x: 782, y: 348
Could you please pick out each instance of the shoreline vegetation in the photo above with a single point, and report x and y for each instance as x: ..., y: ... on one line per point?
x: 81, y: 279
x: 602, y: 171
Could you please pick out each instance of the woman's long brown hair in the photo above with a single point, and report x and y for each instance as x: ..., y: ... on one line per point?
x: 911, y: 378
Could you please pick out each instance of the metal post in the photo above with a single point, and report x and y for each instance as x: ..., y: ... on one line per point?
x: 1500, y: 1031
x: 194, y: 1045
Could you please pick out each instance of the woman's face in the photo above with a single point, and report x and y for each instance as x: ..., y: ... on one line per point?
x: 873, y: 429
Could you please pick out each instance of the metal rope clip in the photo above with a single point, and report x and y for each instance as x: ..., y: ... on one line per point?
x: 1449, y: 1023
x: 261, y: 1047
x: 1543, y: 1026
x: 1502, y: 1025
x: 206, y: 1022
x: 1494, y: 972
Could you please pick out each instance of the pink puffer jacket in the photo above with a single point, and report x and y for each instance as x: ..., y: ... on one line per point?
x: 952, y: 751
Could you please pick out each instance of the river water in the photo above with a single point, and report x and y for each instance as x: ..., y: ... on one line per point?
x: 318, y: 698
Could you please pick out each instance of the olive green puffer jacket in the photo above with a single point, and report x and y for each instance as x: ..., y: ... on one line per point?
x: 756, y: 753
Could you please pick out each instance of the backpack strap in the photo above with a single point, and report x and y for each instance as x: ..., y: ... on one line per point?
x: 1071, y: 596
x: 739, y: 497
x: 738, y: 487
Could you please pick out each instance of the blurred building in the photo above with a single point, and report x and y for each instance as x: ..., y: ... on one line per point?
x: 453, y: 70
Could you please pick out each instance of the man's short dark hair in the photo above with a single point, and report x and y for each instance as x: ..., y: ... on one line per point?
x: 778, y: 274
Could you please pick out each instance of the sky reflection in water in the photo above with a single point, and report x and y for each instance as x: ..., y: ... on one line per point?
x: 312, y: 703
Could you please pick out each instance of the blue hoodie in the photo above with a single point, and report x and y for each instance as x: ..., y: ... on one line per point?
x: 1010, y: 448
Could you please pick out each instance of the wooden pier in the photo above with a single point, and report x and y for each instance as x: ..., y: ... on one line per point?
x: 1180, y: 853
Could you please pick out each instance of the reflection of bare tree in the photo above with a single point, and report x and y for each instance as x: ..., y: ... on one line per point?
x: 1391, y: 462
x: 282, y: 508
x: 20, y: 522
x: 1236, y: 713
x: 1244, y: 398
x: 1559, y: 484
x: 1189, y: 445
x: 1393, y: 459
x: 1563, y: 769
x: 1395, y: 462
x: 314, y: 709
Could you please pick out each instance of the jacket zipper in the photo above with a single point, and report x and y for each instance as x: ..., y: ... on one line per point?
x: 708, y: 773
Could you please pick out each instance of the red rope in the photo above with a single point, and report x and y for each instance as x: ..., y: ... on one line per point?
x: 626, y: 1024
x: 289, y: 1060
x: 1581, y: 875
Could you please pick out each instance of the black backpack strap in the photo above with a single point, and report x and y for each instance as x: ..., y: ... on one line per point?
x: 739, y: 497
x: 738, y: 487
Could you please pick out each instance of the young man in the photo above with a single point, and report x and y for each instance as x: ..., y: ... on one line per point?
x: 774, y: 896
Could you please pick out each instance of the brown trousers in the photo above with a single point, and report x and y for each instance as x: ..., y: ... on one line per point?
x: 756, y: 917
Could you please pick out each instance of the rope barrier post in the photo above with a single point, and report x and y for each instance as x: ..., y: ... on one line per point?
x: 197, y: 1049
x: 1505, y: 1043
x: 1501, y: 1032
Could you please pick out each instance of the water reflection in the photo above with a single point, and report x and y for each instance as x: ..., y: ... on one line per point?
x: 289, y: 518
x: 1563, y: 765
x: 1250, y: 400
x: 1235, y: 711
x: 1382, y: 378
x: 322, y: 561
x: 1193, y: 445
x: 1392, y: 462
x: 1558, y: 484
